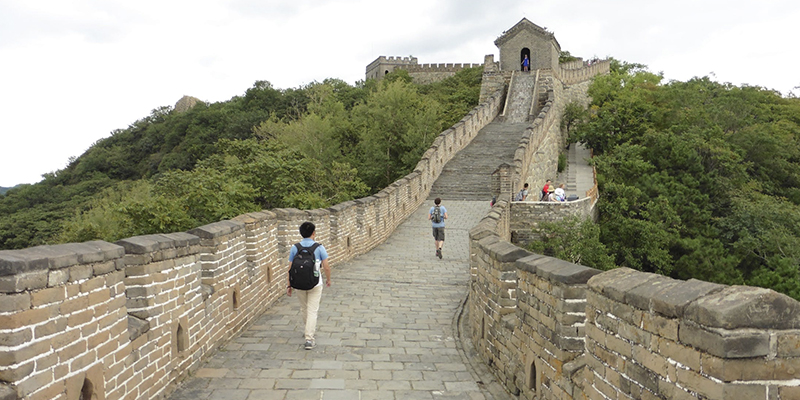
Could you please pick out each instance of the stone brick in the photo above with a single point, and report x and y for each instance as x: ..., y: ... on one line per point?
x: 27, y: 317
x: 57, y: 277
x: 51, y: 327
x: 789, y: 392
x: 666, y: 327
x: 79, y: 318
x: 725, y: 344
x: 80, y: 272
x: 652, y: 361
x: 74, y: 304
x: 641, y: 296
x: 16, y: 338
x: 15, y: 302
x: 672, y: 301
x: 48, y: 296
x: 745, y: 307
x: 23, y: 354
x: 697, y: 383
x: 93, y: 284
x: 685, y: 355
x: 25, y: 281
x: 789, y: 344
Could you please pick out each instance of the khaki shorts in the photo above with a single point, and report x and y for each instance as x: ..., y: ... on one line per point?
x: 438, y: 234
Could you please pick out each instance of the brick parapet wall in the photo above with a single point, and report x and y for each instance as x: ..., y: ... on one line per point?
x: 129, y: 320
x: 579, y: 333
x: 527, y: 311
x: 651, y: 335
x: 570, y: 75
x: 62, y: 317
x: 525, y: 216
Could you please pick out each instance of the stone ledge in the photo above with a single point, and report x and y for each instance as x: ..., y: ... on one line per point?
x: 151, y: 243
x: 672, y: 301
x: 556, y: 270
x: 746, y: 343
x: 57, y: 256
x: 745, y: 307
x: 616, y: 283
x: 254, y: 217
x: 506, y: 252
x: 217, y: 229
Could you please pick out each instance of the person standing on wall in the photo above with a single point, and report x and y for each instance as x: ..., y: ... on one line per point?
x: 309, y: 291
x: 437, y: 215
x: 526, y: 63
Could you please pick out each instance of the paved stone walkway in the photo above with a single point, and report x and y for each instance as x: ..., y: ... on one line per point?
x: 387, y: 329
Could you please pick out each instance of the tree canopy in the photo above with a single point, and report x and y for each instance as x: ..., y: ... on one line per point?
x: 698, y: 179
x: 307, y: 147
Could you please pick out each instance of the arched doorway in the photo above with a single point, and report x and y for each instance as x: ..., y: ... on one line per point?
x: 525, y: 52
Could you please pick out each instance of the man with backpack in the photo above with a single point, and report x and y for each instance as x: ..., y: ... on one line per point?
x: 305, y: 259
x: 522, y: 195
x: 437, y: 215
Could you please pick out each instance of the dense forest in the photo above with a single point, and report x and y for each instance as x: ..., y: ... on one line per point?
x: 698, y: 179
x: 308, y: 147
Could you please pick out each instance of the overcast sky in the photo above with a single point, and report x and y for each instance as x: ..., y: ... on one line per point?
x: 72, y: 71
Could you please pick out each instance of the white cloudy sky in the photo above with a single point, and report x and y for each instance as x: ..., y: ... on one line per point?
x: 71, y: 71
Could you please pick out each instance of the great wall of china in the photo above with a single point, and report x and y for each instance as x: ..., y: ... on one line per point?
x: 127, y: 320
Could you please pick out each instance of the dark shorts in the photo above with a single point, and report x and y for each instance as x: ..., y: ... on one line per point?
x: 438, y: 234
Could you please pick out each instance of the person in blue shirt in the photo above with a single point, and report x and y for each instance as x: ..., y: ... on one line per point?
x: 438, y: 227
x: 526, y: 64
x: 309, y: 299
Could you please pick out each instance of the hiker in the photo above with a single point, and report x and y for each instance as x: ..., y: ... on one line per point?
x: 545, y: 190
x: 522, y: 195
x: 437, y: 215
x: 308, y: 292
x: 526, y: 64
x: 560, y: 193
x: 549, y: 196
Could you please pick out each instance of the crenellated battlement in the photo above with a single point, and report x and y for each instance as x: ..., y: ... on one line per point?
x: 127, y: 320
x: 551, y: 329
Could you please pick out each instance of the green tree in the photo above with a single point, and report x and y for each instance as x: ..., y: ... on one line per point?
x: 396, y: 126
x: 574, y: 240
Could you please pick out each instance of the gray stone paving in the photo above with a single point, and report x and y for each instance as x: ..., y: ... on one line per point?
x: 386, y: 329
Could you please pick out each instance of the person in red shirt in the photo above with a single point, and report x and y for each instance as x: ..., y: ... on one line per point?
x: 545, y: 189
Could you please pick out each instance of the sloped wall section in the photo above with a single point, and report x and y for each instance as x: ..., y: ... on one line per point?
x: 128, y: 320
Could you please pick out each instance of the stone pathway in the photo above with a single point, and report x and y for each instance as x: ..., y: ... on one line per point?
x: 387, y: 329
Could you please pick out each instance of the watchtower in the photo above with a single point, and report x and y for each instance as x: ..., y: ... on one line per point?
x: 527, y: 38
x: 384, y: 65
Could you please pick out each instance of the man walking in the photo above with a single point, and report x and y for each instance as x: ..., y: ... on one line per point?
x: 310, y: 297
x: 437, y: 215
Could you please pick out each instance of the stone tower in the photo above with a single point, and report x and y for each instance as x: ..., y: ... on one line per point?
x: 527, y: 38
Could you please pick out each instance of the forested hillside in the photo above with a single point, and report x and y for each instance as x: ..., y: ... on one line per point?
x: 307, y: 147
x: 697, y: 179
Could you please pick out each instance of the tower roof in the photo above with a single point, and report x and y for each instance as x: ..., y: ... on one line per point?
x: 525, y: 25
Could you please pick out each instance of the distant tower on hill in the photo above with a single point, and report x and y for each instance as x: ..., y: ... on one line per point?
x: 528, y: 39
x: 384, y: 65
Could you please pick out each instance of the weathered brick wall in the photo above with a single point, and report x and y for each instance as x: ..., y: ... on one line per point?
x: 551, y: 329
x: 63, y: 319
x: 527, y: 311
x: 129, y: 320
x: 525, y: 216
x: 648, y: 336
x: 570, y: 75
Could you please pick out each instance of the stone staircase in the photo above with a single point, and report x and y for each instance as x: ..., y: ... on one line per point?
x: 468, y: 176
x: 520, y: 97
x: 577, y: 176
